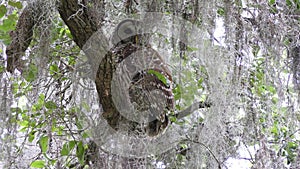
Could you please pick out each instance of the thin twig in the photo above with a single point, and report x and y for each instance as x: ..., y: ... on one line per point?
x: 207, y: 148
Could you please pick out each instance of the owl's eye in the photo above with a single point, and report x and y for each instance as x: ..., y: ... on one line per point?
x: 128, y: 31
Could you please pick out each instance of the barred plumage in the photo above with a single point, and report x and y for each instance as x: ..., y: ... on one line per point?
x: 153, y: 95
x: 150, y: 90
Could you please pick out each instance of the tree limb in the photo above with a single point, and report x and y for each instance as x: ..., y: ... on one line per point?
x: 81, y: 18
x: 192, y: 108
x: 21, y: 38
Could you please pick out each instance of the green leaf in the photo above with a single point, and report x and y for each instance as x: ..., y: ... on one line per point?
x: 60, y: 130
x: 274, y: 100
x: 86, y: 106
x: 54, y: 69
x: 38, y: 164
x: 274, y: 130
x: 221, y: 11
x: 16, y: 109
x: 172, y: 118
x: 68, y: 33
x: 67, y: 148
x: 199, y: 83
x: 255, y: 50
x: 4, y: 37
x: 85, y: 135
x: 192, y: 49
x: 160, y: 76
x: 31, y: 136
x: 183, y: 145
x: 78, y: 124
x: 9, y: 23
x: 24, y: 123
x: 15, y: 4
x: 271, y: 89
x: 39, y: 104
x: 41, y: 99
x: 179, y: 157
x: 72, y: 60
x: 272, y: 2
x: 15, y: 88
x: 3, y: 10
x: 177, y: 92
x: 31, y: 73
x: 50, y: 105
x: 292, y: 145
x: 288, y: 3
x: 44, y: 143
x: 80, y: 152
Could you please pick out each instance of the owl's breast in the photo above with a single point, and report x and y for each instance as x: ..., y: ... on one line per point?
x: 145, y: 80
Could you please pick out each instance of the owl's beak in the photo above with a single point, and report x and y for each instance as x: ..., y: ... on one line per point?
x: 136, y: 39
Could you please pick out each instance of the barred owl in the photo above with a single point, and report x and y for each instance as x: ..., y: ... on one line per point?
x: 149, y: 89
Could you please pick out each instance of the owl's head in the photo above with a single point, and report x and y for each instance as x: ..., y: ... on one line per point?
x: 130, y: 31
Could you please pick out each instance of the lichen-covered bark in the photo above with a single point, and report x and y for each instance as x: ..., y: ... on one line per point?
x: 84, y: 21
x: 21, y: 38
x: 294, y: 53
x: 103, y: 85
x: 81, y: 19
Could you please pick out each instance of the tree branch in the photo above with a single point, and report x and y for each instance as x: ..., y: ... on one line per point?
x: 82, y: 19
x: 192, y: 108
x: 21, y: 38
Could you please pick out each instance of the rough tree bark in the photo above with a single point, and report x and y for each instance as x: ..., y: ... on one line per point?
x: 21, y: 38
x: 81, y: 19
